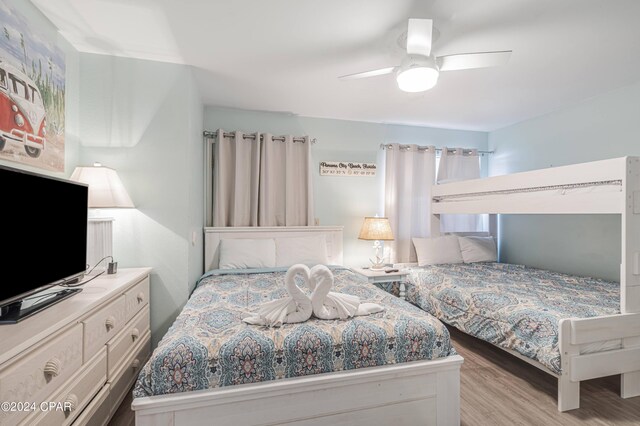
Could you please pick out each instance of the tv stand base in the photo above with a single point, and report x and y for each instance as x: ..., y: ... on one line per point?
x: 14, y: 312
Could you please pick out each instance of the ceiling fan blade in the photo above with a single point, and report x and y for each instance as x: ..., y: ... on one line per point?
x: 419, y: 35
x: 465, y: 61
x: 373, y: 73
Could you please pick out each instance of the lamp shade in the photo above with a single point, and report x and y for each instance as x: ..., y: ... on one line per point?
x: 376, y: 228
x: 105, y: 187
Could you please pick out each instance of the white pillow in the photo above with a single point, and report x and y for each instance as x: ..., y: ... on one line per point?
x: 478, y: 249
x: 436, y: 251
x: 310, y: 251
x: 247, y: 253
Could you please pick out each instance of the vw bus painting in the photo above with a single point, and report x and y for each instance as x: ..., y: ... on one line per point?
x: 23, y: 116
x: 32, y: 89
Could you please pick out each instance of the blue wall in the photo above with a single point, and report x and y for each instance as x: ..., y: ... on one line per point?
x: 144, y: 119
x: 342, y: 200
x: 605, y: 126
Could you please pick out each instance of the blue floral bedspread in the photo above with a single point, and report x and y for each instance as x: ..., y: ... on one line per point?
x: 208, y: 345
x: 512, y: 306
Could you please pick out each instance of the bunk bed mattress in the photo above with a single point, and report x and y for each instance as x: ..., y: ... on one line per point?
x: 512, y: 306
x: 208, y: 346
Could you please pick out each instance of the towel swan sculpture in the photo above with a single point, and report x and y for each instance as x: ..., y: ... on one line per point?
x: 296, y: 307
x: 323, y: 303
x: 329, y: 305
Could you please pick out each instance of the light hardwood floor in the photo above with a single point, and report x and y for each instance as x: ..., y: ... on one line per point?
x: 124, y: 416
x: 499, y: 389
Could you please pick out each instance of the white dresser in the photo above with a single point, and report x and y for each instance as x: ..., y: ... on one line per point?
x: 73, y: 363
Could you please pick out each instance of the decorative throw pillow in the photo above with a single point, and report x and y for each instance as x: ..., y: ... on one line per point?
x: 478, y: 249
x: 247, y: 253
x: 436, y: 251
x: 309, y: 251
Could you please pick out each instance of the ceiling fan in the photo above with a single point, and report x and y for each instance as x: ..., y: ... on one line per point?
x: 420, y: 69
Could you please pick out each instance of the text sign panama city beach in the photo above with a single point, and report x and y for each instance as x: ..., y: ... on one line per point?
x: 346, y: 168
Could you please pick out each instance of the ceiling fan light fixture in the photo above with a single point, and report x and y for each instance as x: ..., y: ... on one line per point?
x: 417, y: 74
x: 420, y: 69
x: 417, y: 79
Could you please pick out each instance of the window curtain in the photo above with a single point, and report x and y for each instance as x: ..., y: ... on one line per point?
x: 286, y: 193
x: 456, y: 166
x: 409, y: 173
x: 261, y: 181
x: 236, y: 168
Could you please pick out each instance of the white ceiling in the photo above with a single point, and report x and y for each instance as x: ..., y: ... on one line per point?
x: 285, y: 55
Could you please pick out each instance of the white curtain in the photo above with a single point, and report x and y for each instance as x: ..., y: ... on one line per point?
x: 409, y: 173
x: 235, y: 181
x: 456, y: 166
x: 286, y: 193
x: 261, y: 181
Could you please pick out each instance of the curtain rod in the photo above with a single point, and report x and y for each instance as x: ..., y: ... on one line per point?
x: 449, y: 150
x: 209, y: 134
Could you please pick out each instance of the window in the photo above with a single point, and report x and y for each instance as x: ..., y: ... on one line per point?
x: 3, y: 79
x: 19, y: 87
x: 35, y: 96
x: 483, y: 164
x: 461, y: 167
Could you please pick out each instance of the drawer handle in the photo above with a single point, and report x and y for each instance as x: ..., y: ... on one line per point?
x: 110, y: 323
x: 135, y: 364
x: 135, y: 333
x: 71, y: 403
x: 52, y: 367
x: 140, y: 297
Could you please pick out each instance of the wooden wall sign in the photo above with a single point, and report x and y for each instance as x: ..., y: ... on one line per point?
x: 347, y: 168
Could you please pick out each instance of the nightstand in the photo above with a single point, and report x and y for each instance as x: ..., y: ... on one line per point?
x: 379, y: 278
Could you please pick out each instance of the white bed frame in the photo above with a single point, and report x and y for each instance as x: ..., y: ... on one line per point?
x: 600, y: 187
x: 420, y: 392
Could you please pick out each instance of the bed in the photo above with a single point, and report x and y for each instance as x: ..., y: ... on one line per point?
x: 600, y: 336
x: 512, y: 306
x: 396, y: 363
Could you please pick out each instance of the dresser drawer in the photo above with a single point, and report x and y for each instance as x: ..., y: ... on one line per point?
x: 102, y: 326
x: 77, y: 394
x: 122, y: 345
x: 127, y: 374
x: 137, y: 297
x: 35, y: 377
x: 97, y: 412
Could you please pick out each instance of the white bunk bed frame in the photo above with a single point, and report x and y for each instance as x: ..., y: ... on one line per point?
x: 600, y: 187
x: 420, y: 392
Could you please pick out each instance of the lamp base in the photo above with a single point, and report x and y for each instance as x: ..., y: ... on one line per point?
x: 99, y: 240
x: 378, y: 267
x: 377, y: 264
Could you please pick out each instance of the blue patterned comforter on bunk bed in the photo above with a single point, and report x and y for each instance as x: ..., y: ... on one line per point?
x: 208, y: 346
x: 511, y: 306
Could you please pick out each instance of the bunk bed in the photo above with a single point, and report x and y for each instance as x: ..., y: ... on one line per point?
x: 600, y: 187
x: 398, y: 363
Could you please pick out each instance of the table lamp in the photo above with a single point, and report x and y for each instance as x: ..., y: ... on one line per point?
x: 105, y: 191
x: 376, y: 229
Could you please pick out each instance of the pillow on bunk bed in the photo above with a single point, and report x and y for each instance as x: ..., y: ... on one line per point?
x: 247, y: 253
x: 309, y: 251
x: 478, y: 249
x: 436, y: 251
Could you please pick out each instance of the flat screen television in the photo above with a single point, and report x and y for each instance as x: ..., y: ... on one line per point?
x: 43, y: 243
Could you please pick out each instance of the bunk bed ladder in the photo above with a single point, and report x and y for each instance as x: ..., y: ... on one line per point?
x: 630, y: 267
